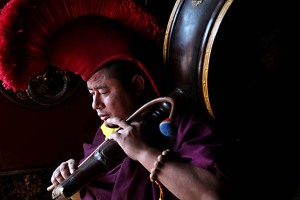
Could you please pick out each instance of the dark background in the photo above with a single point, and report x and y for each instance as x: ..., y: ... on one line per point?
x: 253, y: 88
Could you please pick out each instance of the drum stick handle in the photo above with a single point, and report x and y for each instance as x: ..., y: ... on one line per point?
x: 51, y: 187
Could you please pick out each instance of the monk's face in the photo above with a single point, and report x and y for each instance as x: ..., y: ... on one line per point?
x: 110, y: 98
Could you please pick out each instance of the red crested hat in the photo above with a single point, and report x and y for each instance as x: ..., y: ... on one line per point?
x: 79, y: 36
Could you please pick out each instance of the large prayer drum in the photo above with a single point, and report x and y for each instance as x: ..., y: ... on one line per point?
x: 232, y: 57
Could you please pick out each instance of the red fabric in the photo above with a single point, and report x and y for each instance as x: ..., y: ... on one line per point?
x: 26, y: 27
x: 89, y: 43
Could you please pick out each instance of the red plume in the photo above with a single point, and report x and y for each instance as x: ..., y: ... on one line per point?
x: 27, y: 25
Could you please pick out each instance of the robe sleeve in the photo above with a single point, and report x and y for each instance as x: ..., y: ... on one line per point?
x: 196, y: 142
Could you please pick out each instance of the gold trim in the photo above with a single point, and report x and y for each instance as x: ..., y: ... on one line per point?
x: 49, y: 88
x: 208, y: 49
x: 167, y: 33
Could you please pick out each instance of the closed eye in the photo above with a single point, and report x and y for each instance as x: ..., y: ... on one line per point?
x: 91, y: 93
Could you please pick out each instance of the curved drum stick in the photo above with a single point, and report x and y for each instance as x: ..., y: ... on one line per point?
x: 109, y: 148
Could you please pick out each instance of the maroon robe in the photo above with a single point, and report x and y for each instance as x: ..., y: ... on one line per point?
x: 194, y: 142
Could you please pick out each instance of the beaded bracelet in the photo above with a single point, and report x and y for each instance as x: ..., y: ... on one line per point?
x: 157, y: 165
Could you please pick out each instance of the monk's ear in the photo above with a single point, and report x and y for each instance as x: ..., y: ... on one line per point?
x: 138, y: 83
